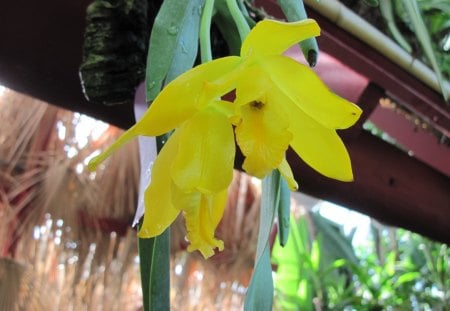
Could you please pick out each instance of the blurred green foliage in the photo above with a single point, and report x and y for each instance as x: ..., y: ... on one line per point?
x: 422, y: 28
x: 395, y: 270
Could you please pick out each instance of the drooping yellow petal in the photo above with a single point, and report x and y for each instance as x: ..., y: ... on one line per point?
x: 159, y: 210
x: 182, y: 97
x: 202, y: 215
x: 177, y: 102
x: 211, y: 212
x: 310, y: 94
x: 262, y: 136
x: 320, y: 147
x: 205, y: 157
x: 286, y: 172
x: 270, y: 37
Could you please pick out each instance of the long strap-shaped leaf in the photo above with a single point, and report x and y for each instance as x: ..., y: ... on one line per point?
x: 387, y: 12
x: 154, y: 255
x: 260, y: 291
x: 284, y: 212
x: 423, y: 36
x: 172, y: 51
x: 173, y: 43
x: 154, y: 260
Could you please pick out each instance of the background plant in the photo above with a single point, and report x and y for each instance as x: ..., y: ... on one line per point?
x: 319, y: 269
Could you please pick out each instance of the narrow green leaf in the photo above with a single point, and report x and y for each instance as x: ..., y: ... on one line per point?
x: 294, y: 10
x: 335, y: 243
x: 338, y: 263
x: 407, y: 277
x: 315, y: 255
x: 289, y: 265
x: 372, y: 3
x: 173, y: 42
x: 227, y: 27
x: 387, y: 12
x: 423, y: 36
x: 303, y: 237
x: 154, y: 261
x: 269, y: 202
x: 284, y: 212
x: 305, y: 295
x: 154, y: 255
x: 260, y: 291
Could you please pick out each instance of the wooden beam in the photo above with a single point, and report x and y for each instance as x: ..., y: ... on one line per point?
x: 41, y: 54
x: 417, y: 141
x: 401, y: 85
x: 368, y: 101
x: 389, y: 185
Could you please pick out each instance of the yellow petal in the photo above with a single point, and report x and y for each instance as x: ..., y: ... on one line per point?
x: 270, y: 37
x: 286, y: 172
x: 320, y: 147
x: 310, y: 94
x: 224, y: 107
x: 202, y: 220
x: 205, y: 157
x: 177, y: 102
x: 159, y: 210
x: 252, y: 84
x: 182, y: 97
x: 262, y: 137
x: 123, y: 139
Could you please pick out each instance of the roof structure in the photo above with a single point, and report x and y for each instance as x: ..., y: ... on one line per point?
x: 409, y: 188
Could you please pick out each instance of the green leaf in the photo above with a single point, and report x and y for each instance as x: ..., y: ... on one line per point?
x: 284, y: 212
x: 154, y: 261
x: 303, y: 236
x: 338, y: 263
x: 334, y: 243
x: 305, y: 295
x: 294, y: 10
x: 387, y: 12
x: 260, y: 291
x: 270, y: 198
x: 154, y: 256
x: 372, y: 3
x: 315, y: 255
x: 293, y: 284
x: 227, y: 27
x: 173, y: 43
x: 407, y: 277
x: 423, y: 36
x: 258, y: 296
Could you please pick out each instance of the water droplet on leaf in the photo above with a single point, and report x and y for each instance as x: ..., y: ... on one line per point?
x: 172, y: 30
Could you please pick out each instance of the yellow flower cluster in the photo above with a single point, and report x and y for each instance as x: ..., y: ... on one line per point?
x: 279, y: 103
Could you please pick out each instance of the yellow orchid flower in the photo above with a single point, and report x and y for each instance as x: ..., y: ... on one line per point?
x: 279, y: 103
x: 194, y: 168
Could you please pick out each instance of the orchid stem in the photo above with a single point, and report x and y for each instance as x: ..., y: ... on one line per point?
x: 238, y: 18
x: 205, y: 31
